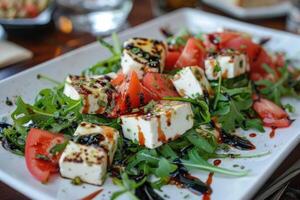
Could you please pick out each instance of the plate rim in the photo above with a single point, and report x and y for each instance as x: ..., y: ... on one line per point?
x: 245, y: 13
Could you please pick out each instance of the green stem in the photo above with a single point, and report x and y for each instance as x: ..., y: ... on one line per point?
x: 240, y: 155
x: 40, y: 76
x: 112, y: 59
x: 72, y: 107
x: 212, y: 168
x: 207, y: 167
x: 218, y: 91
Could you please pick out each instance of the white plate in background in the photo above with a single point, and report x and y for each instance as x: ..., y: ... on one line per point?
x: 277, y: 10
x: 13, y: 170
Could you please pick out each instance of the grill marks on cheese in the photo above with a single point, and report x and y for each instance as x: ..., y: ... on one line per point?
x: 90, y: 153
x: 96, y: 92
x: 151, y: 59
x: 84, y: 155
x: 143, y: 55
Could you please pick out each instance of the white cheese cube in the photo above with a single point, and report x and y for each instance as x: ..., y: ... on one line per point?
x: 231, y: 63
x: 143, y: 55
x: 167, y: 120
x: 192, y: 82
x: 107, y: 137
x: 92, y: 91
x: 89, y: 163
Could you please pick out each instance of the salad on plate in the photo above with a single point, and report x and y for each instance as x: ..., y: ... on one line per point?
x: 153, y: 111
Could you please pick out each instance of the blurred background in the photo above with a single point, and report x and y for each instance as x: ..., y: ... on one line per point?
x: 34, y: 31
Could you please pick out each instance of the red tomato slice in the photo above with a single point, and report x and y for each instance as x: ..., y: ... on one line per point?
x: 258, y: 62
x: 279, y: 123
x: 244, y: 45
x: 159, y: 85
x: 39, y: 142
x: 132, y: 94
x: 118, y: 80
x: 215, y: 41
x: 192, y: 54
x: 171, y: 59
x: 271, y: 114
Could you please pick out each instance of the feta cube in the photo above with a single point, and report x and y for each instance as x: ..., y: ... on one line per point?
x: 231, y: 63
x: 88, y: 156
x: 166, y: 121
x: 89, y: 163
x: 192, y: 82
x: 92, y: 90
x: 108, y: 137
x: 143, y: 55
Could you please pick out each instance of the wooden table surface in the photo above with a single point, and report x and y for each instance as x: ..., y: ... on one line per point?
x: 53, y: 43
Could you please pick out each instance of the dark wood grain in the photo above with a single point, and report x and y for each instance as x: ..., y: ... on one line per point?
x: 53, y: 43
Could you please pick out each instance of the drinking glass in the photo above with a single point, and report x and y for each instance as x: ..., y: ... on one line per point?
x: 99, y: 17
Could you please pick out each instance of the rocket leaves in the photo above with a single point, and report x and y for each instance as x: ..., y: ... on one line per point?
x: 234, y: 106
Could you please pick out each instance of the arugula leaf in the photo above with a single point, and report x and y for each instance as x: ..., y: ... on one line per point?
x: 233, y: 108
x: 200, y: 142
x: 101, y: 120
x: 165, y: 168
x: 199, y: 106
x: 167, y: 152
x: 274, y: 91
x: 196, y: 161
x: 128, y: 186
x: 179, y: 39
x: 52, y: 111
x: 111, y: 64
x: 58, y: 148
x: 42, y: 157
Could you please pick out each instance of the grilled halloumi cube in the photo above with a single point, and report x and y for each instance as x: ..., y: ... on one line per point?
x: 89, y: 163
x: 143, y: 55
x: 191, y: 82
x: 94, y: 92
x: 231, y: 64
x: 167, y: 120
x: 107, y: 137
x: 89, y: 155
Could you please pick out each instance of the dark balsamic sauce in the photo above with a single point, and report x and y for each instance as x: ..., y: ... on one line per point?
x: 146, y: 192
x: 236, y: 141
x: 233, y: 140
x: 90, y: 139
x: 272, y: 133
x: 182, y: 178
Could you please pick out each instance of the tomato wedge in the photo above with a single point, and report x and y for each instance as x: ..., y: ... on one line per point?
x: 244, y: 45
x: 159, y: 85
x: 271, y: 114
x: 216, y: 41
x: 131, y: 94
x: 39, y: 161
x: 171, y: 59
x: 118, y: 80
x: 192, y: 54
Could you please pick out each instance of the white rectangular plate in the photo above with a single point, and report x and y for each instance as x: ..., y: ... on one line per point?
x: 13, y: 170
x: 276, y: 10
